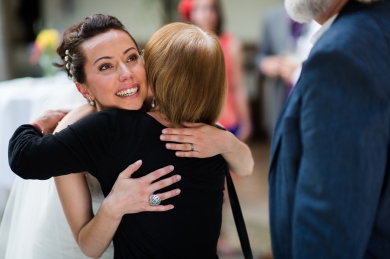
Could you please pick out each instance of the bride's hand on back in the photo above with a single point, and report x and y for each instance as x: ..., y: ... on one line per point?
x: 131, y: 195
x: 202, y: 140
x: 49, y: 119
x: 196, y: 140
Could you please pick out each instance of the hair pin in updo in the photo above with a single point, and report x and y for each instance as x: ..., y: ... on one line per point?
x: 66, y: 58
x: 68, y: 65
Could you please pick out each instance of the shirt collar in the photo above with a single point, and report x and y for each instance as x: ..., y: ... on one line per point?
x: 323, y: 29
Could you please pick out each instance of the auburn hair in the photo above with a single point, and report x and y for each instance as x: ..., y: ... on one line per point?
x: 185, y: 69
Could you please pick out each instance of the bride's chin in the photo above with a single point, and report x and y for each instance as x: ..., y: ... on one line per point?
x: 132, y: 106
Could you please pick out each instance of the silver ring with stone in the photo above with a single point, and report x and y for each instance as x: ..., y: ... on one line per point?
x: 192, y: 147
x: 154, y: 200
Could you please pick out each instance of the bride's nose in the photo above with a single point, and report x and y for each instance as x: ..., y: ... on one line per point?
x: 125, y: 73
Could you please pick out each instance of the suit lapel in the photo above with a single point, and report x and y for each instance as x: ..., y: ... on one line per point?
x: 278, y: 132
x: 279, y: 125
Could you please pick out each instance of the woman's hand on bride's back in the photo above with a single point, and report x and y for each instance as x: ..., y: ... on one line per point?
x: 131, y: 195
x: 49, y: 119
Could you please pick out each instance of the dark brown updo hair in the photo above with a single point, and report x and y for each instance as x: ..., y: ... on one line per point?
x: 72, y: 39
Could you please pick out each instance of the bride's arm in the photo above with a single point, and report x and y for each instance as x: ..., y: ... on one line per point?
x: 93, y: 234
x: 209, y: 141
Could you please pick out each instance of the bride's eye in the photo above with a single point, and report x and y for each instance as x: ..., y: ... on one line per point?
x: 104, y: 67
x: 133, y: 57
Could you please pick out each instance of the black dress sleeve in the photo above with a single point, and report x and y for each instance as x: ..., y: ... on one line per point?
x: 83, y: 146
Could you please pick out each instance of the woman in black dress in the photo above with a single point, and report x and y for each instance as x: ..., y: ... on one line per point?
x: 105, y: 143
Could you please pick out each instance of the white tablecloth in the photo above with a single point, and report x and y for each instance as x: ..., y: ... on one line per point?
x: 26, y: 98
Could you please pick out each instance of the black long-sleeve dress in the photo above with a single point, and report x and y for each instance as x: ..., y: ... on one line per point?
x: 104, y: 144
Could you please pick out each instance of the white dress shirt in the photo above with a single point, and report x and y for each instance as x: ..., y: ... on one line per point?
x: 323, y: 29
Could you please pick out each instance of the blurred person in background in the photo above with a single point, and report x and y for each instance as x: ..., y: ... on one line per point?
x: 330, y: 169
x: 284, y: 46
x: 207, y: 14
x: 50, y: 235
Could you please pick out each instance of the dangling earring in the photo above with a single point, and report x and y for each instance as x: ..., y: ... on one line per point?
x: 91, y: 102
x: 153, y: 103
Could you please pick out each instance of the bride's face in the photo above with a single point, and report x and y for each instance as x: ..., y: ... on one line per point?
x: 115, y: 72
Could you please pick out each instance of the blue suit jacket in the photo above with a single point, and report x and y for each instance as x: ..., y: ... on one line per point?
x: 329, y: 174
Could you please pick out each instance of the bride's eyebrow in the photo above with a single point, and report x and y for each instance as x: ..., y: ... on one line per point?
x: 127, y: 50
x: 110, y: 57
x: 104, y: 57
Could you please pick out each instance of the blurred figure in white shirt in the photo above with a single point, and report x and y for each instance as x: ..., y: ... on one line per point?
x: 284, y: 46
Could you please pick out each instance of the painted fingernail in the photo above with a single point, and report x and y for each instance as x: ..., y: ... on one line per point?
x: 164, y: 131
x: 162, y: 137
x: 168, y: 145
x: 178, y: 177
x: 138, y: 162
x: 178, y: 191
x: 171, y: 167
x: 178, y: 153
x: 171, y: 207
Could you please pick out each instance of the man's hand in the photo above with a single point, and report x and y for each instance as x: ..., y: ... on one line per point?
x: 288, y: 65
x: 270, y: 66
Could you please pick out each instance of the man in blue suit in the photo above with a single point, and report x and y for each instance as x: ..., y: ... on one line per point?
x: 330, y: 167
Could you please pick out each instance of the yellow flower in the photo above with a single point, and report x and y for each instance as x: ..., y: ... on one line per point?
x: 48, y: 38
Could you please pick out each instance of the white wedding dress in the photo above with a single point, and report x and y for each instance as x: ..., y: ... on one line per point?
x: 34, y: 224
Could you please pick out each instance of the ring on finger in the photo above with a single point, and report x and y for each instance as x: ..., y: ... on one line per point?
x: 192, y: 147
x: 154, y: 200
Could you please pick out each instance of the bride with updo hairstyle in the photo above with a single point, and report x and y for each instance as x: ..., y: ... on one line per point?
x: 109, y: 72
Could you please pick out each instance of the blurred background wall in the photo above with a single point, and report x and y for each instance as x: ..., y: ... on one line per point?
x: 4, y: 69
x: 22, y: 19
x: 143, y: 17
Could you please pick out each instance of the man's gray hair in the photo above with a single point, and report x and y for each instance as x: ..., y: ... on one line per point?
x: 305, y: 11
x: 367, y: 1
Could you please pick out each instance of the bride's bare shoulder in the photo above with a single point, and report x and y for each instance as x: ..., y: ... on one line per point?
x: 75, y: 115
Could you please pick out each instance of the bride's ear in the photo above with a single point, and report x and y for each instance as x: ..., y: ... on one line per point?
x: 82, y: 88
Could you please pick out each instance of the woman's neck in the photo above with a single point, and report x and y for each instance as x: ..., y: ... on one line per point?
x: 160, y: 118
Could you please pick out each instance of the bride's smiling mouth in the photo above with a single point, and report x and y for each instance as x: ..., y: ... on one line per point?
x: 128, y: 92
